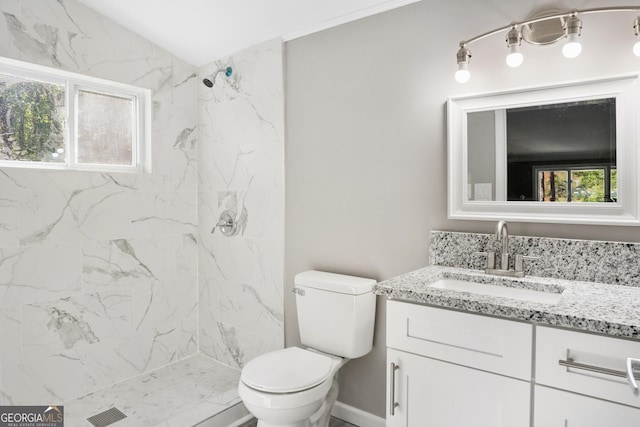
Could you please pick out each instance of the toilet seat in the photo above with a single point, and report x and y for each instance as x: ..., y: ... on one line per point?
x: 287, y: 371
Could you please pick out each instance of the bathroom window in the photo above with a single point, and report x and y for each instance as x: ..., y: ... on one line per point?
x: 58, y: 120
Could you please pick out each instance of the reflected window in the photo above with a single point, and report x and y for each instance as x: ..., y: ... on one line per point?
x: 579, y: 184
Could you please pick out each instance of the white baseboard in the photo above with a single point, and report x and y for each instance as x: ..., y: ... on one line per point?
x: 356, y: 416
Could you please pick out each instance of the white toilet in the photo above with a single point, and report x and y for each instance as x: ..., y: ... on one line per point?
x: 297, y: 387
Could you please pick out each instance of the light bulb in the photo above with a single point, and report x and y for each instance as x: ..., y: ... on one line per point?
x: 514, y: 37
x: 463, y: 75
x: 572, y: 47
x: 515, y: 57
x: 636, y: 48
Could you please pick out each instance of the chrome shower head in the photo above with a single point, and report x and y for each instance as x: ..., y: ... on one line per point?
x: 210, y: 80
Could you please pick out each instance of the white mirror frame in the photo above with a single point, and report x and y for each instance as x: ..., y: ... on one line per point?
x: 626, y: 90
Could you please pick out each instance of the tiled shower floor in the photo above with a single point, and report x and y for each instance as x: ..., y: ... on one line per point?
x: 181, y: 394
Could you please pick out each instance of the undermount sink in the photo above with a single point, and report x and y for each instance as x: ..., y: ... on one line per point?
x: 531, y: 295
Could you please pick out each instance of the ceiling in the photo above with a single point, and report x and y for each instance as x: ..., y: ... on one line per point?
x: 200, y: 31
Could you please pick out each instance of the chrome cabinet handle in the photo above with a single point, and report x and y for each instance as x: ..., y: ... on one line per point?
x: 631, y: 378
x: 392, y: 388
x: 569, y: 363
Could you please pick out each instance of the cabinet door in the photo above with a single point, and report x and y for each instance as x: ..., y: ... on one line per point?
x: 432, y: 393
x: 556, y: 408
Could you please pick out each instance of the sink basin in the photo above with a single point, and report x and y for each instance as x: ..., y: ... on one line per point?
x: 520, y: 294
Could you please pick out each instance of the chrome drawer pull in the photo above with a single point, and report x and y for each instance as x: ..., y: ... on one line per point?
x: 631, y: 377
x: 569, y: 363
x: 392, y: 388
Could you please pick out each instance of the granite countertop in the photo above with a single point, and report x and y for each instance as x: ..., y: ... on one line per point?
x: 585, y: 306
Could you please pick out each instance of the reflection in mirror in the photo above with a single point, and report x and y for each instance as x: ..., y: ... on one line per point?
x: 565, y: 153
x: 562, y: 152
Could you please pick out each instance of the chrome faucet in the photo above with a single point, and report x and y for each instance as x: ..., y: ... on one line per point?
x: 502, y: 233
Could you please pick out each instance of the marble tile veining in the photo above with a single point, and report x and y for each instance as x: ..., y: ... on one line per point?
x: 98, y: 271
x: 181, y: 394
x: 240, y: 152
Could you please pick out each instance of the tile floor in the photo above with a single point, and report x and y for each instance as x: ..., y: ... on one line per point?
x: 178, y: 395
x: 181, y: 394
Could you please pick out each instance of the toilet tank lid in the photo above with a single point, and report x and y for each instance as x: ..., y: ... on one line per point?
x: 333, y: 282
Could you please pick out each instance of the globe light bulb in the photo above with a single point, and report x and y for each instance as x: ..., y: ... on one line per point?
x: 515, y: 57
x: 463, y: 75
x: 572, y: 47
x: 636, y: 48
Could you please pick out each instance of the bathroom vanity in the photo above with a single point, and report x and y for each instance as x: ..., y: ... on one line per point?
x: 460, y: 352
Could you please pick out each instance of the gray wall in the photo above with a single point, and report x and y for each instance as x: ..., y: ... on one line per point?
x: 365, y: 151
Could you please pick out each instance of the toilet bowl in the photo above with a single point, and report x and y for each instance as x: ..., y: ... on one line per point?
x: 297, y: 387
x: 293, y: 387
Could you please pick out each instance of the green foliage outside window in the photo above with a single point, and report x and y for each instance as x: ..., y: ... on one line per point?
x: 31, y: 123
x: 587, y: 185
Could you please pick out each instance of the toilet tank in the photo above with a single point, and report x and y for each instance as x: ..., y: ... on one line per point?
x: 336, y: 313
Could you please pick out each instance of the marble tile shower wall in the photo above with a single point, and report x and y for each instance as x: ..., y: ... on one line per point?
x: 98, y: 271
x: 615, y: 263
x: 241, y: 152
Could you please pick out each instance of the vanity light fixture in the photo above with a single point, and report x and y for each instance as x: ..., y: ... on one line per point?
x: 636, y: 27
x: 463, y: 75
x: 542, y: 30
x: 572, y: 29
x: 514, y: 40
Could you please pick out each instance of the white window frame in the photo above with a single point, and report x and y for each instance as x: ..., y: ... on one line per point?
x: 73, y: 83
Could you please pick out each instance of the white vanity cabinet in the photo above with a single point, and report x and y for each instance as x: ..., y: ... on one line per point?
x: 452, y: 369
x: 581, y: 380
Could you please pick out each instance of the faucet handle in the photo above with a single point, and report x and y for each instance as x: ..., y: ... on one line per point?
x: 491, y: 258
x: 520, y: 261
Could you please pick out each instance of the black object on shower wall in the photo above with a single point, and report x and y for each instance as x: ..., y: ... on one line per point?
x: 210, y: 80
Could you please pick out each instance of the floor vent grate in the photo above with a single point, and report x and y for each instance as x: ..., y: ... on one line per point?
x: 108, y: 417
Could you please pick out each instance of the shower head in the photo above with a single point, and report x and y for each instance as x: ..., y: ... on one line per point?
x: 210, y: 80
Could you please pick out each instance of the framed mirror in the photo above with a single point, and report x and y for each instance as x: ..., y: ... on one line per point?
x: 564, y: 153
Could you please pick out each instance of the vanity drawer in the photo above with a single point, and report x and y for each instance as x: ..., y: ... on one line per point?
x: 557, y: 408
x: 480, y: 342
x: 555, y: 346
